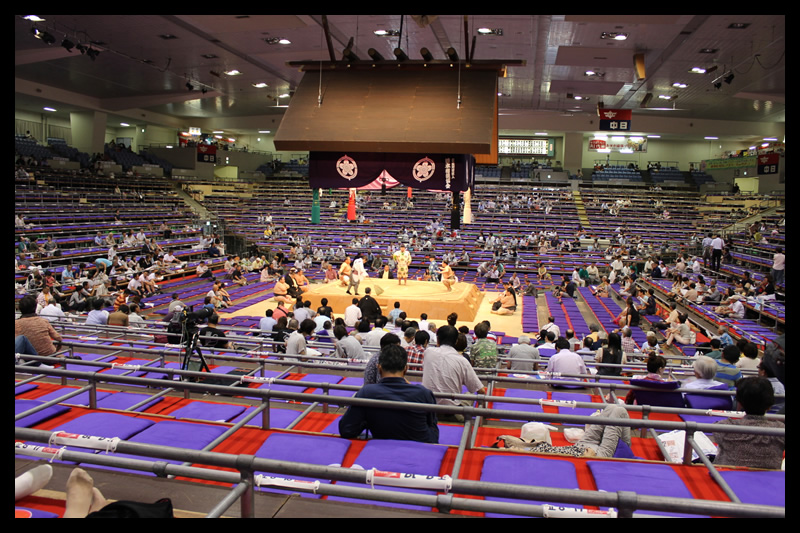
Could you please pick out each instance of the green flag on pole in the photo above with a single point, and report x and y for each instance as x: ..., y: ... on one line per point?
x: 315, y: 208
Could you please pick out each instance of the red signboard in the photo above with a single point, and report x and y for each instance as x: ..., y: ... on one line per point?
x: 615, y: 119
x: 597, y: 144
x: 206, y: 153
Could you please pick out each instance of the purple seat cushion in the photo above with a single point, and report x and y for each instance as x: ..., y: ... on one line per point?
x: 523, y: 470
x: 107, y: 425
x: 311, y: 449
x: 123, y: 400
x: 404, y: 456
x: 193, y: 436
x: 213, y: 412
x: 80, y: 399
x: 20, y: 406
x: 761, y: 488
x: 646, y: 479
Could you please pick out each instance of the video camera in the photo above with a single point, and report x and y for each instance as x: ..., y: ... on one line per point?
x: 185, y: 321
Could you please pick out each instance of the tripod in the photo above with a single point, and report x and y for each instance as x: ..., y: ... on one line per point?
x: 191, y: 347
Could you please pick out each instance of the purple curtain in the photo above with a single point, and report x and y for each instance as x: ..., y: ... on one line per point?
x: 339, y: 170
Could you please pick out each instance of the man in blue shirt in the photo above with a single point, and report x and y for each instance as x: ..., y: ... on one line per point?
x: 727, y: 372
x: 397, y: 424
x: 267, y: 323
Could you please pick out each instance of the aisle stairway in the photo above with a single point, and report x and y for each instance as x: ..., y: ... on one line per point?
x: 582, y: 215
x: 198, y: 208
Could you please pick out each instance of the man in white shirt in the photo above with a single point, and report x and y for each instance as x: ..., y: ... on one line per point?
x: 735, y: 309
x: 352, y: 314
x: 134, y: 318
x: 296, y: 343
x: 565, y: 361
x: 423, y: 322
x: 717, y: 244
x: 616, y: 265
x: 175, y: 303
x: 373, y: 337
x: 97, y: 316
x: 135, y: 286
x: 447, y: 371
x: 52, y: 311
x: 551, y: 326
x: 778, y: 267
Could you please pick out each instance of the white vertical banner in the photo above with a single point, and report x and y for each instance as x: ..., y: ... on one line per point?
x: 467, y: 217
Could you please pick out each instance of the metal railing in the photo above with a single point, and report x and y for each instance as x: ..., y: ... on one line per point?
x: 244, y: 481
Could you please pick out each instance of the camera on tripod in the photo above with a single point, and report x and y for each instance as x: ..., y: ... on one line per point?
x: 184, y: 326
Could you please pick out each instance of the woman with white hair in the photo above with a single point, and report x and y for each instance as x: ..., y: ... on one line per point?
x: 705, y: 368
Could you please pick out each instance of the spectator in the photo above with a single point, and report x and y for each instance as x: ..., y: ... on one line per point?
x: 679, y: 332
x: 397, y: 424
x: 347, y: 346
x: 446, y: 371
x: 119, y: 317
x: 37, y: 330
x: 565, y: 361
x: 267, y: 323
x: 135, y: 319
x: 483, y: 353
x: 296, y: 342
x: 394, y: 313
x: 750, y: 360
x: 705, y: 369
x: 175, y: 303
x: 522, y: 357
x: 211, y: 336
x: 97, y: 316
x: 416, y: 351
x: 352, y: 314
x: 612, y: 354
x: 754, y: 396
x: 52, y: 311
x: 727, y: 372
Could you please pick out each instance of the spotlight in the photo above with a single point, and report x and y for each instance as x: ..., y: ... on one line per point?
x: 349, y: 55
x: 375, y: 55
x: 400, y: 55
x: 728, y: 79
x: 717, y: 84
x: 67, y: 44
x: 43, y: 35
x: 452, y: 54
x: 81, y: 48
x: 91, y: 52
x: 189, y: 86
x: 426, y: 54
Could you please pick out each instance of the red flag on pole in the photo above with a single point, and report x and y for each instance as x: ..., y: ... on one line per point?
x: 351, y: 206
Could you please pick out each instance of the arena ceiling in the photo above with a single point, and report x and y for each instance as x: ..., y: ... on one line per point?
x: 179, y: 70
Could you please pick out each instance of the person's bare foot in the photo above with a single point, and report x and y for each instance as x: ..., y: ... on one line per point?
x: 79, y: 494
x: 98, y: 500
